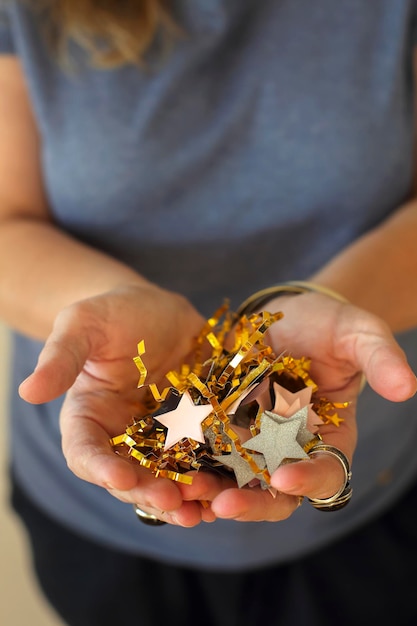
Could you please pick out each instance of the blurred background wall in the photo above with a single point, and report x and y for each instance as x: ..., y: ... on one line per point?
x: 20, y: 601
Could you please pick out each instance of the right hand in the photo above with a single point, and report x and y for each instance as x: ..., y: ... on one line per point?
x: 89, y: 356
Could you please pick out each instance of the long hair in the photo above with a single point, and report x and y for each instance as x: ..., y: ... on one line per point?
x: 114, y: 32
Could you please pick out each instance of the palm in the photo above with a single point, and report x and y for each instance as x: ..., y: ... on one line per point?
x: 89, y: 355
x: 341, y: 341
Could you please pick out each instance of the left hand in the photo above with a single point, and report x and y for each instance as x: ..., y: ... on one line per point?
x: 342, y: 341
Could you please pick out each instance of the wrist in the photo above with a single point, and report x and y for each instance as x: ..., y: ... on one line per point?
x: 258, y: 299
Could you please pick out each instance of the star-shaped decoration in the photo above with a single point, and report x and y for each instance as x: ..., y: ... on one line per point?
x: 288, y: 403
x: 277, y: 442
x: 335, y: 419
x: 242, y: 469
x: 304, y: 436
x: 184, y: 421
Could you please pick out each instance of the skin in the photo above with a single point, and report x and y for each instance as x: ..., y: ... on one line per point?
x: 91, y: 309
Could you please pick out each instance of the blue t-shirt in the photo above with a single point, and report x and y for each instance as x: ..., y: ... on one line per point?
x: 274, y: 134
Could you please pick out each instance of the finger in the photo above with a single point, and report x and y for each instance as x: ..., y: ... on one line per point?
x: 377, y: 354
x: 318, y: 477
x: 58, y: 366
x: 190, y: 514
x: 253, y: 504
x: 90, y: 456
x: 389, y: 374
x: 205, y: 486
x: 321, y: 475
x: 61, y: 360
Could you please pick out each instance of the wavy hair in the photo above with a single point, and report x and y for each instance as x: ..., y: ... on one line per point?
x: 114, y: 32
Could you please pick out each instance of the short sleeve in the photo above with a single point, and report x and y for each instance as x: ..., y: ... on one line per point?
x: 6, y: 38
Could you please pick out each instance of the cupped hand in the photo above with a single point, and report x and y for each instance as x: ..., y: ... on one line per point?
x: 89, y: 356
x: 343, y: 342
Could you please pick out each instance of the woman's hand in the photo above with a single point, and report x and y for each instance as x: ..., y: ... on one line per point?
x: 89, y: 355
x: 342, y: 342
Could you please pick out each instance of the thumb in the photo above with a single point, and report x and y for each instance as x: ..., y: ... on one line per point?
x: 385, y: 367
x: 61, y: 360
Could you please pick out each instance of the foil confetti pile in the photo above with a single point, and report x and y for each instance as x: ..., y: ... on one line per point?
x: 237, y: 409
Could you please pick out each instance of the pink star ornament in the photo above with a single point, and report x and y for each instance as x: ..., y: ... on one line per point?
x: 288, y: 404
x: 184, y: 421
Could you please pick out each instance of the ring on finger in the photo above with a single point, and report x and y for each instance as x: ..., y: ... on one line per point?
x: 343, y: 495
x: 147, y: 518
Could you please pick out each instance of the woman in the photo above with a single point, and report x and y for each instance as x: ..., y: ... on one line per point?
x: 156, y: 159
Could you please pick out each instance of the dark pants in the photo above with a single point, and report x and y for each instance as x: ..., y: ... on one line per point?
x: 368, y: 578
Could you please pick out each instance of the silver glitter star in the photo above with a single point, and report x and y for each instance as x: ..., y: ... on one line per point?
x: 304, y: 436
x: 243, y: 471
x: 277, y: 441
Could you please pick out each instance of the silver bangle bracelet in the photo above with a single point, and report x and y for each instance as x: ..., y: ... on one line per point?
x: 294, y: 287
